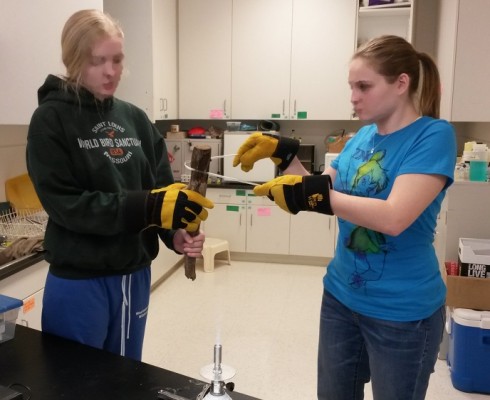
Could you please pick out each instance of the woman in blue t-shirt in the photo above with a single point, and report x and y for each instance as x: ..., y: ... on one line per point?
x: 382, y: 315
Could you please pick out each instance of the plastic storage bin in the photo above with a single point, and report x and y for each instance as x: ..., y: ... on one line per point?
x: 9, y: 310
x: 469, y: 350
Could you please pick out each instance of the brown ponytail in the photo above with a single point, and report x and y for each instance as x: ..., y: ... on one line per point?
x: 430, y: 92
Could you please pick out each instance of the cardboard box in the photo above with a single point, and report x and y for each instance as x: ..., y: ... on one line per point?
x: 175, y: 135
x: 9, y: 310
x: 469, y: 291
x: 474, y: 257
x: 466, y: 292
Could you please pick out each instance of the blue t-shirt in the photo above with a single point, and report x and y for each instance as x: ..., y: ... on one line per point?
x: 378, y: 275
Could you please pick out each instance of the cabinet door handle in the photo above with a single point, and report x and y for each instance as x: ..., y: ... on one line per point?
x: 164, y: 105
x: 224, y: 108
x: 294, y: 108
x: 284, y: 107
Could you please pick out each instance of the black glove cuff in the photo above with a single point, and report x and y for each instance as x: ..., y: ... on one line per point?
x: 136, y: 211
x: 286, y: 149
x: 316, y: 194
x: 154, y: 203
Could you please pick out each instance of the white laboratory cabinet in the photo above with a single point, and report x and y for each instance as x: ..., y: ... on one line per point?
x: 254, y: 59
x: 150, y: 65
x: 28, y: 285
x: 463, y: 59
x: 295, y: 65
x: 312, y: 234
x: 253, y: 224
x: 250, y: 224
x: 205, y: 32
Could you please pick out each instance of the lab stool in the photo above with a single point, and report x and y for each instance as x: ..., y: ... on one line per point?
x: 211, y: 247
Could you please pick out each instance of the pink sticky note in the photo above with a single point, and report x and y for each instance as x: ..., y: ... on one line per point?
x: 264, y: 212
x: 216, y: 114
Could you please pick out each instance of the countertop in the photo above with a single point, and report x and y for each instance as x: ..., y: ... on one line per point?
x: 56, y: 368
x: 459, y: 181
x: 17, y: 265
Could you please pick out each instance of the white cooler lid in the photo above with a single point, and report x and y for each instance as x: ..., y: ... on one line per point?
x: 474, y: 318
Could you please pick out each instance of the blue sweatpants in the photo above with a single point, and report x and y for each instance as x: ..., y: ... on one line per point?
x: 107, y: 313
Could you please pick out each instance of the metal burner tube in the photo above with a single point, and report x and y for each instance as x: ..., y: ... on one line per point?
x: 217, y: 361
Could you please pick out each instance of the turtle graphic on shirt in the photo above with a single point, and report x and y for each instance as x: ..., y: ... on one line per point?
x: 369, y: 178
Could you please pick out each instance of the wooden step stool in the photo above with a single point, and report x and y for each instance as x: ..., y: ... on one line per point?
x: 211, y: 247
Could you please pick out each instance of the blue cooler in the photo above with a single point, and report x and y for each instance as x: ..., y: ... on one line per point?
x: 469, y: 350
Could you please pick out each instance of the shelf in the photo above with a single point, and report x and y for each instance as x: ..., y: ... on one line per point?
x: 391, y: 10
x: 385, y: 19
x: 405, y: 4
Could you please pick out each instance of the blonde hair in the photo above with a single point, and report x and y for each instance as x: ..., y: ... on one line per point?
x: 79, y: 34
x: 392, y: 55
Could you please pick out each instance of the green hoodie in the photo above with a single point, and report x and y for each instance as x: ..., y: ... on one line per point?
x: 92, y: 164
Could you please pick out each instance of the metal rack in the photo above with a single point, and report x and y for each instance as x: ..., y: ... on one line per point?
x: 24, y: 223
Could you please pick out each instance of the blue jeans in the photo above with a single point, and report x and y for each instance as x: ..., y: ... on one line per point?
x: 107, y: 313
x: 398, y: 357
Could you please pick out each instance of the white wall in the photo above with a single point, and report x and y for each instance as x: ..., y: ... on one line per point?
x: 31, y: 49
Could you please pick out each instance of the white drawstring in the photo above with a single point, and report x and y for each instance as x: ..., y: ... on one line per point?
x: 129, y: 305
x: 126, y: 303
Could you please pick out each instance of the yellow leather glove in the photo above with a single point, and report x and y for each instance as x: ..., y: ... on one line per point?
x: 174, y: 207
x: 280, y: 150
x: 295, y: 193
